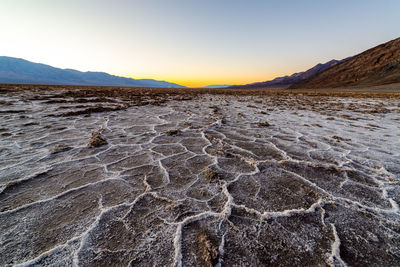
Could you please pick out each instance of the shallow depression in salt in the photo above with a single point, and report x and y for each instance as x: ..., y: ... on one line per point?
x: 215, y: 180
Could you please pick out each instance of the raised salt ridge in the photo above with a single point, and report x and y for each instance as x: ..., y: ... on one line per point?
x: 203, y: 181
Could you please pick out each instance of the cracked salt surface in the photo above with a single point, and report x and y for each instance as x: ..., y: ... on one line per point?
x: 311, y: 187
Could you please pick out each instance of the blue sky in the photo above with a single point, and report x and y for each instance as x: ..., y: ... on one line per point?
x: 194, y: 42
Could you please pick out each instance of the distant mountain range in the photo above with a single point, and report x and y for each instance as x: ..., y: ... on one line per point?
x: 286, y: 81
x: 16, y: 70
x: 376, y: 66
x: 217, y: 86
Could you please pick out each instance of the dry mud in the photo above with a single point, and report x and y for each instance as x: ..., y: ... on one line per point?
x: 213, y: 180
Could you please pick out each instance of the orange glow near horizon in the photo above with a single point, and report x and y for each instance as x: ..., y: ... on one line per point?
x: 199, y: 82
x: 216, y: 79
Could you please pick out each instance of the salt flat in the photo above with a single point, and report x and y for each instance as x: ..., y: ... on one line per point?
x: 199, y: 181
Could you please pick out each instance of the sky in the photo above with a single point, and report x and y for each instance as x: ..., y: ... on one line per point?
x: 194, y: 42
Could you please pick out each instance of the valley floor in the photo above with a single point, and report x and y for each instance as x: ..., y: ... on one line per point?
x: 198, y: 179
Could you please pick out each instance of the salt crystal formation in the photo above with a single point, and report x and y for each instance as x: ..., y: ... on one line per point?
x: 213, y: 180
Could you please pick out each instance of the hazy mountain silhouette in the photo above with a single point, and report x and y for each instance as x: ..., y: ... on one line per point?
x: 286, y: 81
x: 216, y: 86
x: 376, y: 66
x: 16, y: 70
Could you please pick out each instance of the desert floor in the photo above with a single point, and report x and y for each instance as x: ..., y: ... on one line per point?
x: 119, y: 176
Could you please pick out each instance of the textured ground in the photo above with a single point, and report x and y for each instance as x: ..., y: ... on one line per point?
x: 207, y: 180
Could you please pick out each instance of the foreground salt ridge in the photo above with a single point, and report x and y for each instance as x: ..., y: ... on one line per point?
x: 154, y: 187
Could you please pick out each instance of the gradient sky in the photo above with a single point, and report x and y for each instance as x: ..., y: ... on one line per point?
x: 194, y: 42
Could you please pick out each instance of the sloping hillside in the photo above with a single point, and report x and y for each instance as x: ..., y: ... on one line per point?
x: 377, y: 66
x: 286, y: 81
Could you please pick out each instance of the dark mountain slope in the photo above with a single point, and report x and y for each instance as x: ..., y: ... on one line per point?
x: 377, y: 66
x: 286, y: 81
